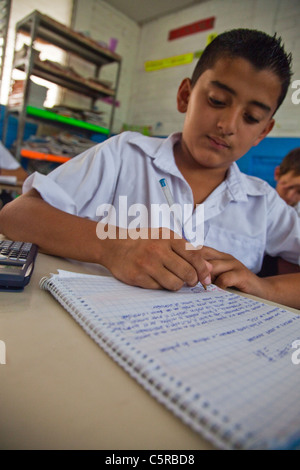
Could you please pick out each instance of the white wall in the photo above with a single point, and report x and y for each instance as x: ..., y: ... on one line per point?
x: 153, y: 97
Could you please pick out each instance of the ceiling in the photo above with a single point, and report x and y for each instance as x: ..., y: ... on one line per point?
x: 142, y: 11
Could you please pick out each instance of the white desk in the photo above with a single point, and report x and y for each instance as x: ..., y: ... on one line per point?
x: 59, y: 390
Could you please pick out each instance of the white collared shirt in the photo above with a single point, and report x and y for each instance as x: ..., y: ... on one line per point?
x: 7, y: 161
x: 243, y: 216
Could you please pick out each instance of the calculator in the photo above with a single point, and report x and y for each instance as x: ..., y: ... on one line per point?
x: 16, y: 264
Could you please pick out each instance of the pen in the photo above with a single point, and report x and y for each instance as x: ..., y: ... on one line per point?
x: 169, y: 198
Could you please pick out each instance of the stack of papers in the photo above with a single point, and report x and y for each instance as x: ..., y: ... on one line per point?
x: 6, y: 179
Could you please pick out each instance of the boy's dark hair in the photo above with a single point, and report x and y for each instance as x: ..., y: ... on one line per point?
x: 262, y: 50
x: 291, y: 162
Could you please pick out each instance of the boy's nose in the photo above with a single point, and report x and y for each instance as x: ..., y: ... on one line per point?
x: 227, y: 122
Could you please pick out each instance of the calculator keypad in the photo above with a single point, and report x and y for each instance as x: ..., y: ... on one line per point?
x: 14, y: 253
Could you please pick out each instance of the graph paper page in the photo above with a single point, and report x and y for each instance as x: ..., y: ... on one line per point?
x: 223, y: 352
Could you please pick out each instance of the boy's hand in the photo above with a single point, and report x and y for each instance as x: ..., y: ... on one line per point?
x: 154, y: 263
x: 227, y: 271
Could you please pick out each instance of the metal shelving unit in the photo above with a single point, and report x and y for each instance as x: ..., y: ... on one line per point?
x: 5, y: 7
x: 43, y: 28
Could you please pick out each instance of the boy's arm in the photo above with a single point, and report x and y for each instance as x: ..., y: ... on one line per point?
x: 149, y: 263
x: 284, y: 289
x: 30, y: 218
x: 229, y: 272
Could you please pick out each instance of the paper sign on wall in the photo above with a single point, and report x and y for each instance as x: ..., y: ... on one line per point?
x: 192, y: 28
x: 182, y: 59
x: 210, y: 38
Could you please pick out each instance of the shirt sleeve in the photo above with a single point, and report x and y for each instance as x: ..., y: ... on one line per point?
x: 51, y: 192
x: 81, y: 184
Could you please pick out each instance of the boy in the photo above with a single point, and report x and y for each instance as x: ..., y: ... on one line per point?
x: 287, y: 175
x: 239, y: 82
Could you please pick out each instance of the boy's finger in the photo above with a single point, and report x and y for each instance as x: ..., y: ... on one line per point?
x: 195, y: 259
x: 182, y: 269
x: 227, y: 279
x: 222, y: 266
x: 209, y: 253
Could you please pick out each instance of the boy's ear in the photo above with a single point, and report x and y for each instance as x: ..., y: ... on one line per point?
x: 265, y: 132
x: 183, y: 95
x: 277, y: 173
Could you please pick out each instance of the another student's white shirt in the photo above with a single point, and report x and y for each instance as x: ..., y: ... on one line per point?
x: 243, y: 216
x: 7, y: 161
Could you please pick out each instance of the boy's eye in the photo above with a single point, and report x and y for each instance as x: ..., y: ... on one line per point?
x: 251, y: 119
x: 216, y: 102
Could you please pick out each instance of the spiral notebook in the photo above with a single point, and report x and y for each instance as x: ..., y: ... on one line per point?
x: 221, y: 362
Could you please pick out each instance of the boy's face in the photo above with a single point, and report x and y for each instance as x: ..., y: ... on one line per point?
x: 228, y: 111
x: 288, y: 186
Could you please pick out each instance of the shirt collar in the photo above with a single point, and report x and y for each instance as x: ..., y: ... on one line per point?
x: 237, y: 184
x: 160, y: 150
x: 242, y: 185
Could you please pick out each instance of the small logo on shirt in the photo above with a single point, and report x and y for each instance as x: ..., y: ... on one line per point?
x: 296, y: 94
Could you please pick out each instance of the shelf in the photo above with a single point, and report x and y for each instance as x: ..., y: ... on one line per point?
x: 43, y: 156
x: 41, y: 28
x: 4, y: 22
x: 50, y: 116
x: 38, y: 114
x: 64, y: 37
x: 80, y: 85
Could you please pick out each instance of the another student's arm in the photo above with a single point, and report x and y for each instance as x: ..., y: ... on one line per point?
x: 229, y: 272
x: 149, y: 263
